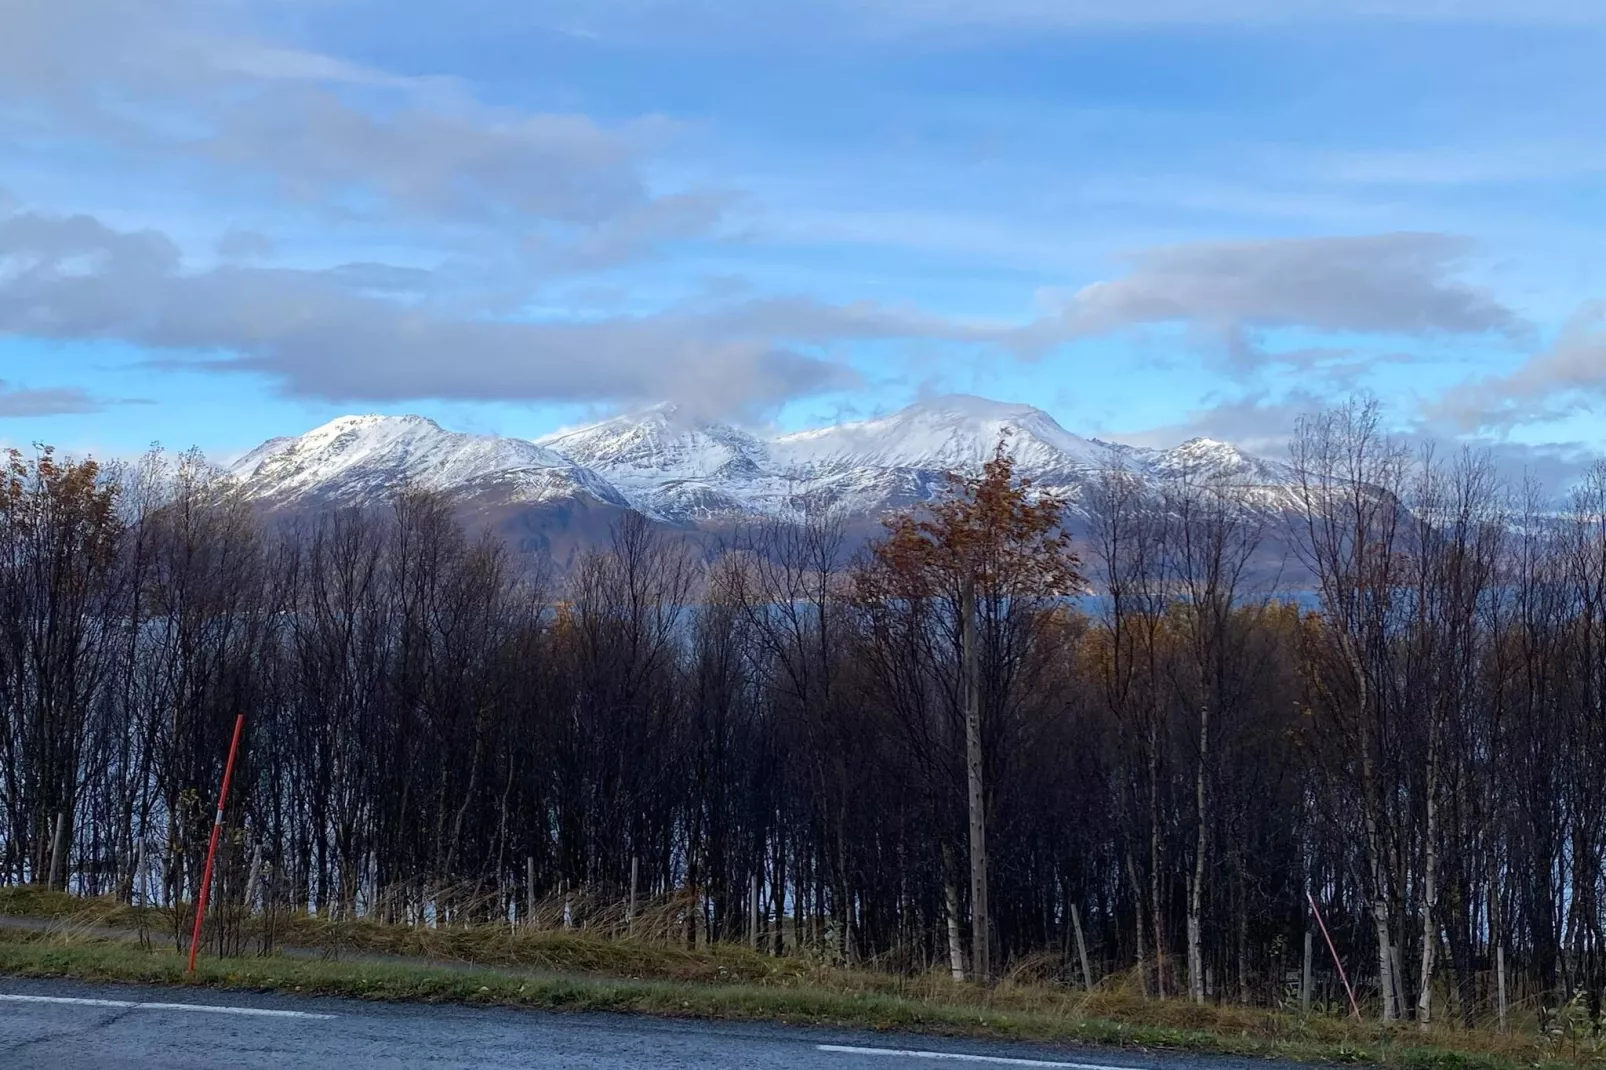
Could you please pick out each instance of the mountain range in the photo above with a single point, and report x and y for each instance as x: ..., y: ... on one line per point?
x: 557, y: 493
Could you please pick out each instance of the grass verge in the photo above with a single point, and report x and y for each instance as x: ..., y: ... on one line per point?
x: 983, y: 1014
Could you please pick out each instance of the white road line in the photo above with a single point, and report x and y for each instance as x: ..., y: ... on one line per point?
x: 258, y: 1012
x: 958, y: 1057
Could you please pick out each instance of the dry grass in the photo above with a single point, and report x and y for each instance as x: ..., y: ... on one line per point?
x: 32, y: 901
x: 655, y: 972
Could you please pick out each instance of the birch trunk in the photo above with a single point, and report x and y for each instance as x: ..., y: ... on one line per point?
x: 1156, y: 904
x: 956, y: 946
x: 1081, y: 949
x: 1138, y: 927
x: 981, y: 966
x: 1430, y: 885
x: 1385, y: 957
x: 1196, y: 985
x: 1388, y: 983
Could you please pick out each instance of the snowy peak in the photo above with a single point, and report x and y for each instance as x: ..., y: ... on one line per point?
x: 951, y: 433
x: 670, y: 464
x: 663, y: 440
x: 684, y: 470
x: 1208, y: 458
x: 362, y: 458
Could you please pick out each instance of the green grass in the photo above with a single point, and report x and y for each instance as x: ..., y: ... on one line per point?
x: 32, y: 901
x: 565, y: 970
x: 557, y: 951
x: 45, y: 955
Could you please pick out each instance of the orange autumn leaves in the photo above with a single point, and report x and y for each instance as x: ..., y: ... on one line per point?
x: 992, y: 530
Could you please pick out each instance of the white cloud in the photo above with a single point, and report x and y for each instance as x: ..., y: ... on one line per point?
x: 1385, y: 284
x: 18, y: 401
x: 361, y: 330
x: 164, y: 81
x: 1263, y: 424
x: 1257, y: 423
x: 1568, y: 376
x: 241, y: 244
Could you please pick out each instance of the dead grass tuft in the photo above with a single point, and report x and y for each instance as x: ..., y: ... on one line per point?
x: 598, y: 961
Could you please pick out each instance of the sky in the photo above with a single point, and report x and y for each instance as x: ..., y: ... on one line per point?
x: 226, y: 220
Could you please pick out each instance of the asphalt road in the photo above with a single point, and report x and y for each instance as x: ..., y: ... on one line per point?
x: 62, y: 1025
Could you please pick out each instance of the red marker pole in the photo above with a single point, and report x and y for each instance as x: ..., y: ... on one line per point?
x: 211, y: 851
x: 1334, y: 951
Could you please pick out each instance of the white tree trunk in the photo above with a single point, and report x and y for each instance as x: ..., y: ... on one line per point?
x: 956, y: 943
x: 1081, y: 949
x: 1388, y: 983
x: 1196, y: 982
x: 1156, y: 906
x: 1385, y: 958
x: 981, y: 966
x: 1430, y: 885
x: 1137, y: 910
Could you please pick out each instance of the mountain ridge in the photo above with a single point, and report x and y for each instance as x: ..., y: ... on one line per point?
x: 689, y: 472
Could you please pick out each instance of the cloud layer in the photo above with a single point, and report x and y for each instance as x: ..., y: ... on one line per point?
x: 330, y: 334
x: 16, y: 401
x: 373, y: 332
x: 185, y: 84
x: 392, y: 235
x: 1566, y: 377
x: 1386, y: 284
x: 1265, y: 424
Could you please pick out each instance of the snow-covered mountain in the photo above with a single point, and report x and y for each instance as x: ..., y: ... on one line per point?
x: 354, y: 460
x: 670, y: 464
x: 952, y: 433
x: 690, y: 472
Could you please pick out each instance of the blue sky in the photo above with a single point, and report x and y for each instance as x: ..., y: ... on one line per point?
x: 222, y: 221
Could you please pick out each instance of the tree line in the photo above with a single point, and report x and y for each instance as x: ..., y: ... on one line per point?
x: 1378, y: 690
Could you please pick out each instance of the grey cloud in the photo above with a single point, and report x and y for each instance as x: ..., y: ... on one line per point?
x: 46, y: 401
x: 241, y: 244
x: 808, y: 320
x: 622, y: 238
x: 1263, y: 424
x: 32, y: 241
x: 1568, y: 376
x: 471, y: 164
x: 1339, y: 368
x: 317, y: 335
x: 1256, y: 422
x: 383, y: 278
x: 194, y: 81
x: 1378, y: 284
x: 1553, y: 468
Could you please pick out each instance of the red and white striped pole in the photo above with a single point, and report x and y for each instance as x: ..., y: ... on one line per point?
x: 1311, y: 899
x: 211, y: 851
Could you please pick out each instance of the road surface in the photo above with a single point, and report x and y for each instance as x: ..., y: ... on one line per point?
x: 63, y: 1025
